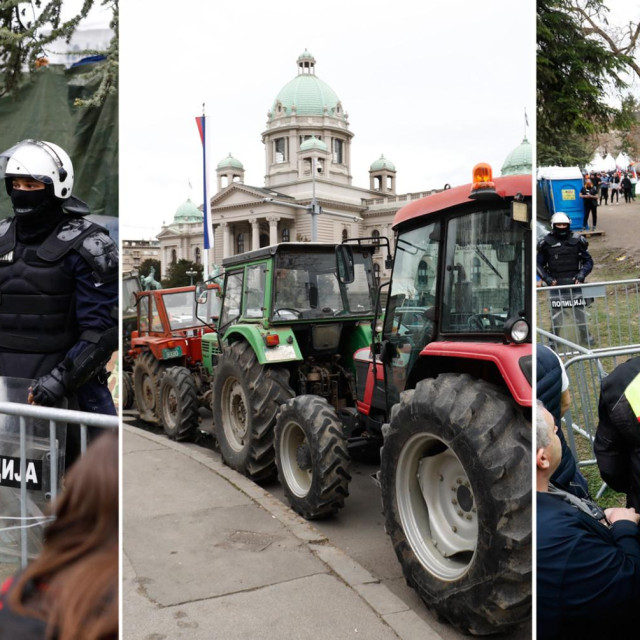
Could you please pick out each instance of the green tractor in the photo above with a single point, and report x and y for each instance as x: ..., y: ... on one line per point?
x: 292, y: 317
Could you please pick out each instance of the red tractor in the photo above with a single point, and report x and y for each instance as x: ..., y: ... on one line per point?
x: 169, y: 382
x: 445, y: 388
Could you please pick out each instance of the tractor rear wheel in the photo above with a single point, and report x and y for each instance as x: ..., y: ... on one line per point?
x: 146, y: 381
x: 179, y: 404
x: 311, y: 456
x: 245, y: 399
x: 456, y: 493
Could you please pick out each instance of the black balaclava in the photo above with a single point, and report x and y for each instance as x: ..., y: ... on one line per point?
x: 37, y: 212
x: 563, y: 234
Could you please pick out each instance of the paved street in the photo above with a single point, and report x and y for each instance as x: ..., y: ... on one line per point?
x: 209, y: 554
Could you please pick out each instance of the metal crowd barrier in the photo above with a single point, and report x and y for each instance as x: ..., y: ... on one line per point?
x: 26, y: 414
x: 593, y: 328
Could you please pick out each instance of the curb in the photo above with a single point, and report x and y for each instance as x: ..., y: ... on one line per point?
x: 388, y: 607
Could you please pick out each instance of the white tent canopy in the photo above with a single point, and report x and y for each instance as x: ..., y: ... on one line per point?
x: 622, y: 160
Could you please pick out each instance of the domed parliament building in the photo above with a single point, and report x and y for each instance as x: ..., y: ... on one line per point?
x: 307, y: 128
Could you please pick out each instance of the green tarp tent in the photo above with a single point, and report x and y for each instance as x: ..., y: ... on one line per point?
x: 43, y: 109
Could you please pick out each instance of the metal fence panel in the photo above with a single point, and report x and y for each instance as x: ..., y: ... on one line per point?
x: 593, y: 328
x: 32, y: 445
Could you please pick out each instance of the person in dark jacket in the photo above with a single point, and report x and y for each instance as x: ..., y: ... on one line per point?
x: 625, y: 185
x: 588, y: 560
x: 617, y: 441
x: 59, y: 284
x: 589, y: 196
x: 552, y: 389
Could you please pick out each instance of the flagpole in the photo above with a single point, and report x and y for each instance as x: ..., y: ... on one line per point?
x: 206, y: 206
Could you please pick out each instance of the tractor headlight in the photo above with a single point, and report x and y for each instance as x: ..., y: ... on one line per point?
x: 516, y: 330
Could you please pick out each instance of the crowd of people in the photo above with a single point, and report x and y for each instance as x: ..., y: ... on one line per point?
x: 607, y: 186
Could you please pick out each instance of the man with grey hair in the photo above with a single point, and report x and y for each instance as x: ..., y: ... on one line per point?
x: 588, y: 560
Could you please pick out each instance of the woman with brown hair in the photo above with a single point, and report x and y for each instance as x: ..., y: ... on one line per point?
x: 70, y: 592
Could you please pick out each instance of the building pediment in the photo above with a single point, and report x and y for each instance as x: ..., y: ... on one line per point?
x: 243, y: 194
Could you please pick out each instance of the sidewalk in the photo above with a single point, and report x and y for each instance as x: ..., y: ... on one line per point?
x: 210, y: 555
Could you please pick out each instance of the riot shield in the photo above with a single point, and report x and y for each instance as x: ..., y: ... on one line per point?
x: 31, y: 467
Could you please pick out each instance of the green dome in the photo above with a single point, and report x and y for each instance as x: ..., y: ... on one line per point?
x: 313, y: 143
x: 188, y: 212
x: 230, y: 163
x: 519, y: 161
x: 307, y: 93
x: 382, y: 163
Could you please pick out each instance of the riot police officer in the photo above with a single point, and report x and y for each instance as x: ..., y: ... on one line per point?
x: 563, y: 259
x: 58, y: 283
x: 562, y: 256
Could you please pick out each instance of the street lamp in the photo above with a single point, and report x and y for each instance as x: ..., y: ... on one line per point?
x: 191, y: 273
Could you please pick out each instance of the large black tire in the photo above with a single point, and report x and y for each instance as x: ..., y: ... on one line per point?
x: 128, y: 396
x: 311, y: 456
x: 456, y: 493
x: 147, y: 372
x: 178, y: 404
x: 245, y: 399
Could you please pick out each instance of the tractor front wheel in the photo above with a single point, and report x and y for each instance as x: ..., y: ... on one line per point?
x: 311, y: 456
x: 245, y: 399
x: 179, y: 404
x: 456, y: 492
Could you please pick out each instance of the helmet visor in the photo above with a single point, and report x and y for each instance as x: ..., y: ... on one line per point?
x: 20, y: 161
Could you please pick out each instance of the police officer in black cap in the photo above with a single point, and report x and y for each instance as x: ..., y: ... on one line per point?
x: 58, y: 283
x: 563, y: 259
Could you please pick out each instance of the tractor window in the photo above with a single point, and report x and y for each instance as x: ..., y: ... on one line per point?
x: 232, y: 298
x: 409, y: 317
x: 156, y: 322
x: 143, y: 315
x: 254, y: 292
x: 307, y: 286
x: 180, y: 310
x: 484, y: 273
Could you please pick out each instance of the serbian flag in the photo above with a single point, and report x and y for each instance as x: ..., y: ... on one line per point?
x: 208, y: 228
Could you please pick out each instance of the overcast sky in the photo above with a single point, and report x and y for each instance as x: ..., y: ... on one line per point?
x: 436, y: 88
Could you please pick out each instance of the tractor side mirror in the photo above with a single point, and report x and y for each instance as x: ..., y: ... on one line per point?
x: 202, y: 293
x: 344, y: 263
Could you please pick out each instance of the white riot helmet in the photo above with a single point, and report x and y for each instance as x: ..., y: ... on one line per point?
x: 560, y: 218
x: 40, y: 160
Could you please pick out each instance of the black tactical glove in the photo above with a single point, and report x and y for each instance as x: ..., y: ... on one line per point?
x: 49, y: 389
x: 580, y: 278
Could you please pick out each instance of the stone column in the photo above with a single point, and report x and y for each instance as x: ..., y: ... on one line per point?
x: 273, y: 229
x: 226, y: 239
x: 255, y: 234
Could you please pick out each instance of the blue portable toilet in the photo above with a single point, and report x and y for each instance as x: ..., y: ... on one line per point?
x: 560, y: 187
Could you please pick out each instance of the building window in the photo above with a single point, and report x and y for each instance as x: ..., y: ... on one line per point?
x: 285, y: 235
x: 174, y: 256
x: 476, y: 271
x: 240, y: 243
x: 376, y: 273
x: 423, y: 274
x: 345, y: 235
x: 376, y: 236
x: 280, y: 150
x: 338, y: 151
x: 197, y: 255
x: 264, y: 240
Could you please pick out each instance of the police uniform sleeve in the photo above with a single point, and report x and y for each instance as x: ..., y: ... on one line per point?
x: 541, y: 261
x: 586, y: 260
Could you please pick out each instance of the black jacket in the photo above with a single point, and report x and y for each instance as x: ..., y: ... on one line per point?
x: 617, y: 441
x: 588, y: 575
